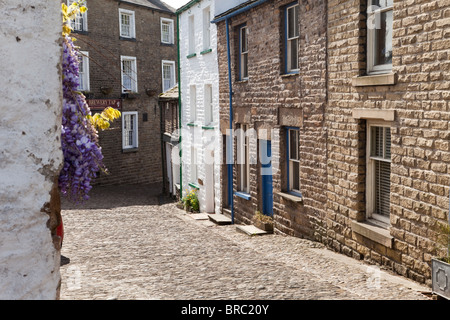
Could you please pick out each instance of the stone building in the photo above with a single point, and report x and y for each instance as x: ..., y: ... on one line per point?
x: 388, y: 130
x: 129, y: 58
x: 199, y: 90
x: 272, y: 63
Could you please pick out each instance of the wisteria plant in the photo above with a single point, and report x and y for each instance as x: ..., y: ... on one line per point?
x: 83, y: 157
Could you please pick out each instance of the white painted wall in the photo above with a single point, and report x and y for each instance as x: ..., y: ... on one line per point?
x: 200, y: 70
x: 30, y: 155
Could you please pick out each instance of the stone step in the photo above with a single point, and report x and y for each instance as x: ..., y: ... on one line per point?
x: 251, y: 230
x: 219, y: 219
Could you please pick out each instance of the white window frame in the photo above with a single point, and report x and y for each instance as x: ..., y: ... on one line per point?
x: 193, y: 104
x: 170, y: 23
x: 134, y: 82
x: 191, y: 35
x: 208, y: 104
x: 172, y: 74
x: 76, y: 22
x: 371, y: 161
x: 292, y: 40
x: 131, y: 15
x: 243, y: 158
x: 206, y: 28
x: 372, y: 13
x: 125, y: 131
x: 84, y: 76
x: 293, y: 159
x: 243, y: 69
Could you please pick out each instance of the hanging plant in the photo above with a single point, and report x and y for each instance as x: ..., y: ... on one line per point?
x: 83, y: 157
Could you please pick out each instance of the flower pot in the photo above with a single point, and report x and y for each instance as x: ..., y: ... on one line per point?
x: 440, y: 278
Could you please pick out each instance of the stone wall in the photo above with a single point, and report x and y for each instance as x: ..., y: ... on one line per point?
x: 30, y: 157
x: 272, y: 100
x: 419, y: 103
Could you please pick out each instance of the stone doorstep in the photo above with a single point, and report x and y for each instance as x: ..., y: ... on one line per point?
x: 198, y: 216
x: 219, y: 219
x: 251, y: 230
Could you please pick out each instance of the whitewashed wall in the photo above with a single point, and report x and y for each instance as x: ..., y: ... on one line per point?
x: 30, y: 152
x: 200, y: 71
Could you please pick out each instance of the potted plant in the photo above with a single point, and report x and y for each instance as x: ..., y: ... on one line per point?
x: 440, y: 266
x: 263, y: 222
x: 190, y: 202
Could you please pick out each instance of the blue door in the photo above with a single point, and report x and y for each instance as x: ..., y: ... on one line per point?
x: 267, y: 181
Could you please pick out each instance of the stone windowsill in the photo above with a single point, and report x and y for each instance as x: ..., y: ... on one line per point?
x: 373, y: 232
x: 290, y: 74
x: 129, y: 150
x: 290, y: 197
x: 387, y: 79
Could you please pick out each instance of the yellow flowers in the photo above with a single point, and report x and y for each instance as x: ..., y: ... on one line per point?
x: 191, y: 202
x: 70, y: 12
x: 102, y: 120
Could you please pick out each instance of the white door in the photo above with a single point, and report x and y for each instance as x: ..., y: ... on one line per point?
x: 209, y: 187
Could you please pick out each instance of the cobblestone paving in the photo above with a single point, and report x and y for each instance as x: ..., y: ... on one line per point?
x: 123, y: 244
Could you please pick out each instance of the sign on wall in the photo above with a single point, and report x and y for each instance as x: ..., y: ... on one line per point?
x: 101, y: 104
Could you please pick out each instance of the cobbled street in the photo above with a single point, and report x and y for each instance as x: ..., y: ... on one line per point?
x: 126, y: 243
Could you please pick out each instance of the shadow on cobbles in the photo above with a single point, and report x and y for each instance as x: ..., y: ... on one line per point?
x: 109, y: 197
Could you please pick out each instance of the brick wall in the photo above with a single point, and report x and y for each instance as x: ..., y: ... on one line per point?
x: 420, y: 148
x: 105, y: 48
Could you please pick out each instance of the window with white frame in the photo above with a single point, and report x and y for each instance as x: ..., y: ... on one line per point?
x: 194, y: 168
x: 129, y: 74
x: 127, y: 24
x: 378, y: 171
x: 293, y: 160
x: 206, y: 28
x: 243, y: 53
x: 379, y: 36
x: 84, y: 71
x: 167, y: 31
x: 191, y: 39
x: 291, y: 36
x: 80, y: 22
x: 129, y: 130
x: 168, y: 75
x: 243, y: 159
x: 208, y: 105
x: 193, y: 103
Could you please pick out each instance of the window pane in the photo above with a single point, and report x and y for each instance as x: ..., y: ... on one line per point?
x: 382, y: 187
x: 292, y: 54
x: 244, y: 40
x: 125, y: 26
x: 127, y: 74
x: 244, y: 66
x: 383, y: 38
x: 292, y: 21
x: 295, y: 175
x: 387, y: 146
x: 165, y: 32
x: 293, y: 144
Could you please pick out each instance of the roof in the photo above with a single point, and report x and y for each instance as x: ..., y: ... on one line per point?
x: 187, y: 6
x: 170, y: 94
x: 153, y: 4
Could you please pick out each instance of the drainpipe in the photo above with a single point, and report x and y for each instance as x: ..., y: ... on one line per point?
x: 230, y: 165
x: 179, y: 106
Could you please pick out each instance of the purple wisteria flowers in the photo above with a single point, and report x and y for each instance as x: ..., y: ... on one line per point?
x: 83, y: 158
